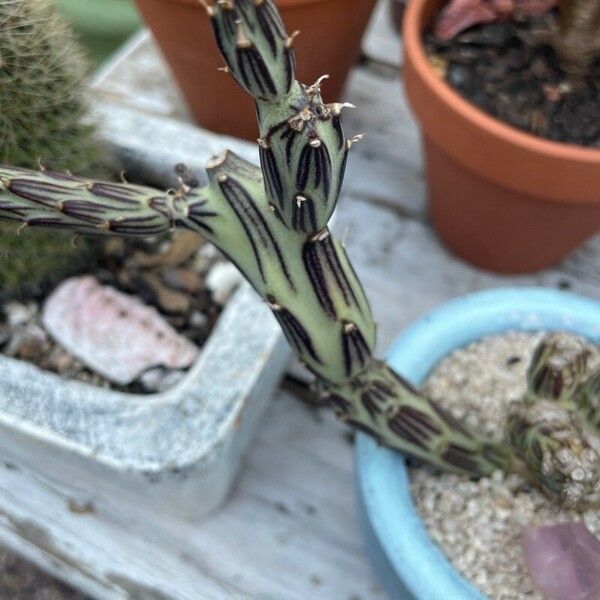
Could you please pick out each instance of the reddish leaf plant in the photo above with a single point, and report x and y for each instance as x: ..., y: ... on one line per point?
x: 459, y: 15
x: 575, y: 37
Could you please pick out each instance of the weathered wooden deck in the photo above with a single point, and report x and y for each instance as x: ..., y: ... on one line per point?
x: 289, y: 530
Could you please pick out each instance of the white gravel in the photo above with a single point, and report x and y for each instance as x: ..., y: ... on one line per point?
x: 478, y: 523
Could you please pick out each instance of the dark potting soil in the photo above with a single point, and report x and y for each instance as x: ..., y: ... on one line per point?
x: 509, y: 72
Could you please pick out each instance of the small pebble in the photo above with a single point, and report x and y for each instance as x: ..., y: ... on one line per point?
x: 19, y: 314
x: 222, y: 280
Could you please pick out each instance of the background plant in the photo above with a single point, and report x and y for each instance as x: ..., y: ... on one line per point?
x: 42, y: 110
x: 575, y: 36
x: 272, y: 223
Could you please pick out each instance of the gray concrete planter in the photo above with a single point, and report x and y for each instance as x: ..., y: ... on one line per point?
x: 177, y: 451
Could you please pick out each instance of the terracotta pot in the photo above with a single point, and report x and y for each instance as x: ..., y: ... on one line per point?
x: 499, y: 198
x: 329, y: 42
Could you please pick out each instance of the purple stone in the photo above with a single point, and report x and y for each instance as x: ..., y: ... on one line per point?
x: 563, y: 560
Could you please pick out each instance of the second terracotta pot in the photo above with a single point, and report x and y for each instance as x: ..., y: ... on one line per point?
x: 502, y: 199
x: 329, y: 42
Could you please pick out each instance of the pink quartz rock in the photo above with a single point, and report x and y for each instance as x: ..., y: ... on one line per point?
x: 113, y: 333
x: 459, y: 15
x: 563, y: 560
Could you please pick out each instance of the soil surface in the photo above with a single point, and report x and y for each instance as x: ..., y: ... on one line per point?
x: 510, y: 72
x: 169, y: 274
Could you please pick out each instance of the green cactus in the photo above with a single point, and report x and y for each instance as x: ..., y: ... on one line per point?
x: 42, y: 105
x: 557, y: 451
x: 272, y: 223
x: 32, y: 264
x: 557, y: 369
x: 42, y: 91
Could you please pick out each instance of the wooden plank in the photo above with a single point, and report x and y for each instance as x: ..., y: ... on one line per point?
x: 382, y: 42
x: 407, y: 271
x: 289, y: 530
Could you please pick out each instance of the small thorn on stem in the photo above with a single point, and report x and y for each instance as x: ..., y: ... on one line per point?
x: 263, y: 143
x: 224, y: 69
x: 21, y: 227
x: 315, y: 143
x: 392, y: 411
x: 225, y: 4
x: 355, y: 140
x: 223, y: 178
x: 349, y: 327
x: 315, y: 88
x: 241, y: 39
x: 337, y: 107
x: 74, y: 240
x: 122, y: 177
x: 319, y: 237
x: 289, y: 40
x: 41, y: 167
x: 274, y: 306
x: 300, y: 199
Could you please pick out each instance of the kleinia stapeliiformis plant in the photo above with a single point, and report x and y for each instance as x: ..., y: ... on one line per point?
x: 271, y: 221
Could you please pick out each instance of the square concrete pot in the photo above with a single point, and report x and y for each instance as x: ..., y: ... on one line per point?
x: 175, y: 452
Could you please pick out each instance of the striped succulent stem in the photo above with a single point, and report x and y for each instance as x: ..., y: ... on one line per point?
x: 557, y: 369
x: 307, y: 281
x: 326, y: 317
x: 272, y: 223
x: 554, y: 429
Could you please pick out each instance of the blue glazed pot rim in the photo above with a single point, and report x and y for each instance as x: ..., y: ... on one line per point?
x: 382, y: 477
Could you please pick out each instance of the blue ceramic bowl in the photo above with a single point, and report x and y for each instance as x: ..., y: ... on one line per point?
x: 408, y: 563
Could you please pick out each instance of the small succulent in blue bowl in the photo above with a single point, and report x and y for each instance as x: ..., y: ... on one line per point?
x: 408, y: 562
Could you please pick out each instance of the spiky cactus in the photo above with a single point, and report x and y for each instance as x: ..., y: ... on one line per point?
x: 42, y: 108
x: 272, y: 223
x: 42, y: 76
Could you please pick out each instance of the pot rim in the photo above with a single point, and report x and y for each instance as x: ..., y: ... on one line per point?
x: 413, y: 26
x: 397, y: 540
